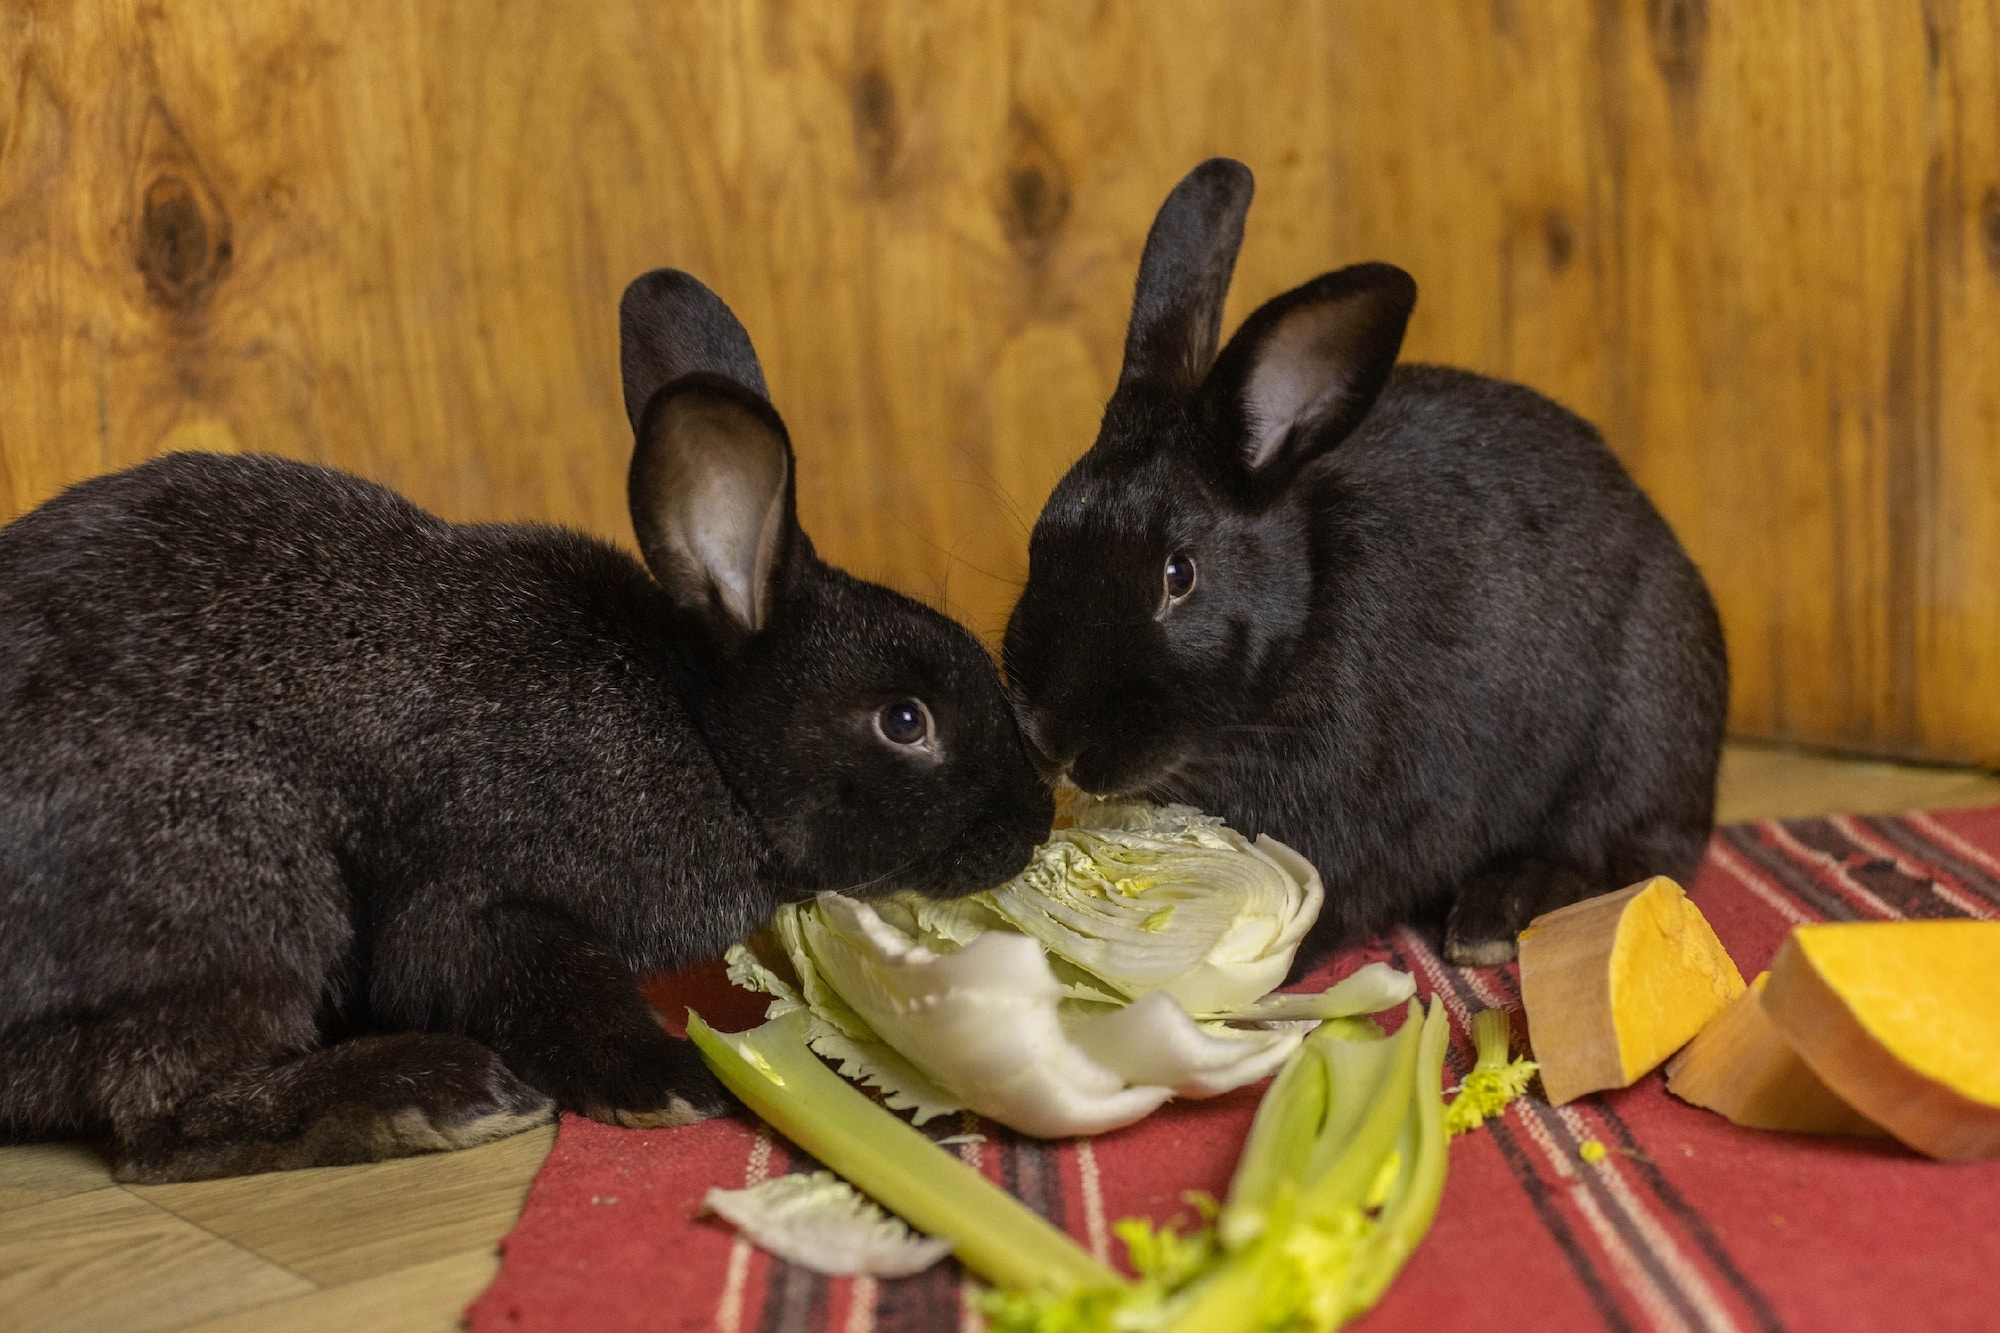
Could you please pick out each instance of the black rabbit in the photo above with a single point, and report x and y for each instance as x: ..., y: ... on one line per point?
x: 331, y: 831
x: 1417, y: 623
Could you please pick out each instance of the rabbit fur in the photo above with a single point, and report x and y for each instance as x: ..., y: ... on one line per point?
x: 332, y: 831
x: 1432, y: 635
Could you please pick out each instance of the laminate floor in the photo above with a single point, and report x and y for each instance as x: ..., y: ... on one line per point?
x: 402, y: 1246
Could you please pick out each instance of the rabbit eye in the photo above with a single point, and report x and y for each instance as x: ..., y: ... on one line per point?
x: 1179, y: 575
x: 905, y: 722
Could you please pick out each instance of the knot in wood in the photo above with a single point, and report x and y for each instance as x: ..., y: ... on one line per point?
x: 1034, y: 195
x: 1679, y: 31
x: 878, y: 130
x: 180, y: 253
x: 1989, y: 227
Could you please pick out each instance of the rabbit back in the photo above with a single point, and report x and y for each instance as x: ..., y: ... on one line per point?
x: 331, y: 831
x: 1419, y: 623
x: 1508, y: 653
x: 255, y: 708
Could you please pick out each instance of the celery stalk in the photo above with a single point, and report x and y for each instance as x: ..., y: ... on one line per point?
x: 1331, y: 1235
x: 776, y: 1075
x: 1297, y: 1262
x: 1355, y: 1069
x: 1494, y: 1081
x: 1280, y: 1144
x: 1346, y: 1180
x: 1408, y: 1214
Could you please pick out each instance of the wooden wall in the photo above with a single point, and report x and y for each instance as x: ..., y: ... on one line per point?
x: 1758, y: 242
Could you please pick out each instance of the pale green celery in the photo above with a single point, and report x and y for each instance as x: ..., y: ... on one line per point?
x: 1306, y: 1269
x: 1280, y: 1144
x: 1324, y: 1251
x: 1494, y: 1081
x: 1357, y: 1062
x: 1345, y: 1181
x: 776, y: 1075
x: 1304, y: 1120
x: 1407, y: 1216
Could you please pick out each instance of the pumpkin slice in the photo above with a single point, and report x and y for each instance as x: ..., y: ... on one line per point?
x: 1741, y: 1067
x: 1902, y: 1020
x: 1614, y: 985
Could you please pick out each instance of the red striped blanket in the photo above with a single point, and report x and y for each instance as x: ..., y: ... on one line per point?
x: 1686, y: 1223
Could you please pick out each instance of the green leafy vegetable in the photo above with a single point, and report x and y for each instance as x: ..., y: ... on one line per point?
x: 1129, y: 963
x: 1494, y: 1081
x: 776, y: 1075
x: 817, y: 1221
x: 1338, y: 1183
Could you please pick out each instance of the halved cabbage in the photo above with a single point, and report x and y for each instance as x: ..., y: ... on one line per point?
x: 1129, y: 963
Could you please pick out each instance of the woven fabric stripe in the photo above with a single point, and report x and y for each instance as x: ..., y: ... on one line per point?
x: 1914, y: 840
x: 1690, y: 1223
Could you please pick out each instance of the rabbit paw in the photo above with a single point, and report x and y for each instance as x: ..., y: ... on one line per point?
x: 660, y: 1095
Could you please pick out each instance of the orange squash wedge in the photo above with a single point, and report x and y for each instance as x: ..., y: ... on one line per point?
x: 1614, y: 985
x: 1742, y: 1068
x: 1901, y: 1019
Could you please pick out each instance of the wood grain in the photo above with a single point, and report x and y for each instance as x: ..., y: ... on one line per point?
x: 423, y: 1298
x: 106, y: 1260
x: 36, y: 1172
x: 1759, y: 243
x: 338, y: 1224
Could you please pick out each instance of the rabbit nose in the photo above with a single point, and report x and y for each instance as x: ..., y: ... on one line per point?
x: 1050, y: 760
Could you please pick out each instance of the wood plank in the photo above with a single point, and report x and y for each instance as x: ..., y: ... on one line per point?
x: 1760, y: 244
x: 423, y: 1298
x: 106, y: 1260
x: 33, y: 1172
x: 340, y: 1224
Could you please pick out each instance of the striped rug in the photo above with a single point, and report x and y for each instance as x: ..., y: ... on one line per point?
x: 1687, y: 1223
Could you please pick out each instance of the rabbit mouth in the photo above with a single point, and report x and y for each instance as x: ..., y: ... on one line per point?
x: 987, y: 855
x: 1158, y: 778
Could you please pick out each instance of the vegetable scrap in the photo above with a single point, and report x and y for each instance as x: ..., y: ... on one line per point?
x: 1900, y: 1019
x: 817, y: 1221
x: 1495, y: 1080
x: 1614, y: 985
x: 1339, y: 1180
x: 1337, y: 1183
x: 1860, y: 1027
x: 1131, y: 962
x: 774, y: 1073
x: 1742, y: 1068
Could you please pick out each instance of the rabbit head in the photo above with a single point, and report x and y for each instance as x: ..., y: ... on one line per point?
x: 866, y: 733
x: 1173, y: 568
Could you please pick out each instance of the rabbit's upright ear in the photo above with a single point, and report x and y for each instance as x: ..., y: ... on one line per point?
x: 670, y: 325
x: 1304, y: 369
x: 711, y: 481
x: 1184, y: 276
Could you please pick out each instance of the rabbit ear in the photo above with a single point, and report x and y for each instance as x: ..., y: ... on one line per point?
x: 711, y: 495
x: 1184, y: 276
x: 1305, y: 368
x: 669, y: 325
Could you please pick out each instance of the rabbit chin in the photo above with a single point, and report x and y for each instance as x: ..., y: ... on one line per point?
x: 1136, y: 774
x: 987, y: 854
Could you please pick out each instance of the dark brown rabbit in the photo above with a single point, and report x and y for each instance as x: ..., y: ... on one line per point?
x: 1417, y: 623
x: 331, y: 831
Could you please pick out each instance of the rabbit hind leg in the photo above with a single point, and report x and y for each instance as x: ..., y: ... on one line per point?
x: 1495, y: 903
x: 359, y: 1100
x: 1498, y: 902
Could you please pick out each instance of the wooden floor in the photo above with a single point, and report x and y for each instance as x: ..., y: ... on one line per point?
x: 405, y: 1245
